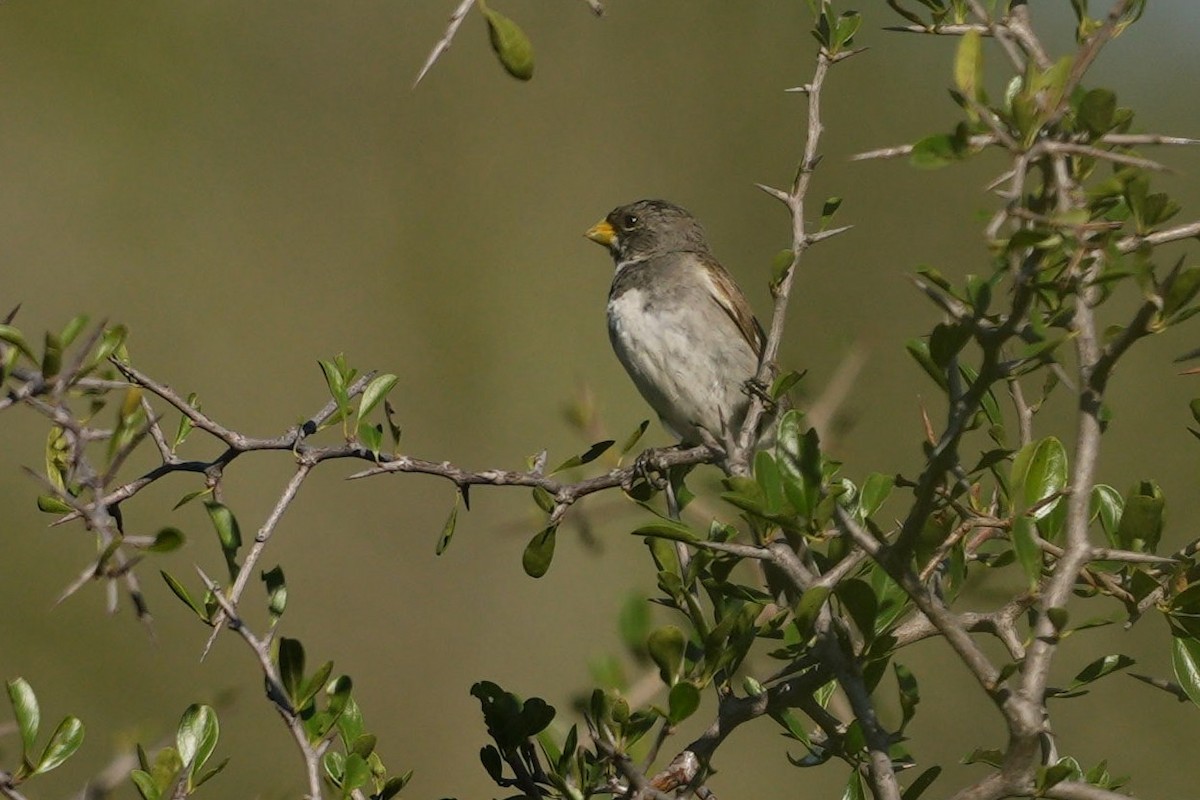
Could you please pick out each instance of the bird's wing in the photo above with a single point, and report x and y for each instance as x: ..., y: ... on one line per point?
x: 731, y: 300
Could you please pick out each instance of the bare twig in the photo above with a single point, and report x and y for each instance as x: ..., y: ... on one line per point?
x: 443, y: 44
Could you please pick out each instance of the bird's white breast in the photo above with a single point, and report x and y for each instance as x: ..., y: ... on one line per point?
x: 667, y: 350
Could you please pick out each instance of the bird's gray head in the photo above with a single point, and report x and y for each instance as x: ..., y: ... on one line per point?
x: 648, y: 228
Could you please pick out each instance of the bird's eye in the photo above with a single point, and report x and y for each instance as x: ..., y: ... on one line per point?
x: 628, y: 221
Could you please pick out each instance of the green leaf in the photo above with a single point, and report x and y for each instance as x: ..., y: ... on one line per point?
x: 1027, y: 550
x: 1108, y: 505
x: 968, y: 64
x: 666, y: 647
x: 875, y: 491
x: 935, y: 151
x: 536, y: 716
x: 448, y: 527
x: 1142, y: 520
x: 167, y: 540
x: 190, y: 496
x: 828, y: 209
x: 197, y: 735
x: 51, y: 355
x: 682, y: 702
x: 1039, y: 471
x: 14, y: 337
x: 781, y: 263
x: 539, y: 552
x: 374, y: 393
x: 52, y: 505
x: 512, y: 46
x: 809, y: 607
x: 910, y: 694
x: 276, y: 591
x: 336, y: 382
x: 25, y: 710
x: 923, y: 782
x: 1185, y: 658
x: 919, y: 350
x: 594, y: 452
x: 62, y: 745
x: 145, y: 785
x: 854, y: 788
x: 993, y: 758
x: 667, y: 529
x: 111, y: 342
x: 182, y: 593
x: 1054, y: 774
x: 229, y: 533
x: 291, y: 667
x: 1106, y: 665
x: 632, y: 439
x: 355, y: 774
x: 371, y: 437
x: 72, y: 329
x: 1096, y: 111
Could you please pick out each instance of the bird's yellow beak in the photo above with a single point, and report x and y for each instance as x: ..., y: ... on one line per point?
x: 602, y: 233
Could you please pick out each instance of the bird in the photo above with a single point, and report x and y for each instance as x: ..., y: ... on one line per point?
x: 678, y: 322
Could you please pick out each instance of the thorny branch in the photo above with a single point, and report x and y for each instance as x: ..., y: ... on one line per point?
x: 1020, y: 697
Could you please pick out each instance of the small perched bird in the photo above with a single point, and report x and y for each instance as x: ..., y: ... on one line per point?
x: 678, y: 323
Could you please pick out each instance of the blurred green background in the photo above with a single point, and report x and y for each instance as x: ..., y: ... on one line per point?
x: 253, y: 186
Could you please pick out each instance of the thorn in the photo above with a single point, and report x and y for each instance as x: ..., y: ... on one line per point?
x: 821, y: 236
x: 778, y: 194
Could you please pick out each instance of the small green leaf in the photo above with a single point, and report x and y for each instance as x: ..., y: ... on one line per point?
x: 355, y: 774
x: 875, y: 491
x: 276, y: 591
x: 291, y: 667
x: 682, y: 702
x: 512, y: 46
x: 594, y: 452
x: 539, y: 552
x: 1142, y: 519
x: 448, y: 527
x: 1027, y: 550
x: 1185, y: 658
x: 145, y: 785
x: 52, y: 505
x: 190, y: 496
x: 62, y: 745
x: 922, y: 782
x: 229, y: 533
x: 374, y: 393
x: 182, y: 593
x: 371, y: 437
x: 1096, y: 111
x: 968, y: 64
x: 1106, y: 665
x: 51, y: 355
x: 197, y: 735
x: 809, y: 607
x: 166, y: 540
x: 72, y: 329
x: 1039, y: 471
x: 25, y: 709
x: 1108, y: 505
x: 632, y: 439
x: 14, y: 337
x: 934, y: 152
x: 910, y: 694
x: 666, y: 647
x: 667, y: 529
x: 111, y: 343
